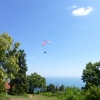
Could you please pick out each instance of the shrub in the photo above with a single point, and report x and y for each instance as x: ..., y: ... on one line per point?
x: 71, y: 93
x: 2, y: 88
x: 93, y: 93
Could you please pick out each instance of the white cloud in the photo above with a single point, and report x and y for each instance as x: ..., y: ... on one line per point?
x: 82, y: 11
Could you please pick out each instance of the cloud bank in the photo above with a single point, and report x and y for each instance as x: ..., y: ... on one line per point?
x: 82, y: 11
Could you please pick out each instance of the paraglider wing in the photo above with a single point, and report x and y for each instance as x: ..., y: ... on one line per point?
x: 45, y: 42
x: 49, y: 42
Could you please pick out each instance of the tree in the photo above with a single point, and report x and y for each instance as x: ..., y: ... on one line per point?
x: 51, y: 88
x: 91, y: 75
x: 61, y: 88
x: 20, y: 81
x: 36, y: 81
x: 8, y: 57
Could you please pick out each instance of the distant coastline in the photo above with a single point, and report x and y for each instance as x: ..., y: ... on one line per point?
x: 66, y: 81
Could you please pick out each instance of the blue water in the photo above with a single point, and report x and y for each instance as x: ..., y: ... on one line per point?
x: 66, y: 81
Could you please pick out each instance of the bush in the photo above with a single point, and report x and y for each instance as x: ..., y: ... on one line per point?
x: 71, y: 93
x: 2, y: 88
x: 4, y: 97
x: 93, y: 93
x: 49, y: 94
x: 18, y: 90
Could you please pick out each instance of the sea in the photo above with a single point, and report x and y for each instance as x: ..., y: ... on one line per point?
x: 66, y: 81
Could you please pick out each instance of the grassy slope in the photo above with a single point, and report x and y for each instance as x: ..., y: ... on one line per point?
x: 30, y: 97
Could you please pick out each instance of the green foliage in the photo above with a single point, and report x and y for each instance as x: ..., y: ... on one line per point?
x: 51, y: 88
x: 49, y: 94
x: 61, y: 88
x: 93, y: 93
x: 20, y: 82
x: 71, y: 93
x: 36, y: 81
x: 8, y: 57
x: 2, y: 87
x: 91, y: 75
x: 18, y: 89
x: 4, y: 97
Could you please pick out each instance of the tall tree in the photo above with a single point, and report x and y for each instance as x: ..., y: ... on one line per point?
x: 36, y: 81
x: 20, y: 81
x: 91, y: 75
x: 8, y: 57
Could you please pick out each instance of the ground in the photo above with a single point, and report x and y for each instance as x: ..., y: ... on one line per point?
x: 30, y: 97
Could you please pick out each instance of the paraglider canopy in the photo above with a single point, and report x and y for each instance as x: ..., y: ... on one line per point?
x: 45, y: 42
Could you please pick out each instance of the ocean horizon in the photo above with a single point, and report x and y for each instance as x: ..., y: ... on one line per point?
x: 66, y: 81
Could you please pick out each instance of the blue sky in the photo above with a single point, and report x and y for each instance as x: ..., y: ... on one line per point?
x: 71, y: 26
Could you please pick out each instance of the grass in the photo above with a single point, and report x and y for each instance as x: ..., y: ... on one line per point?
x: 29, y: 97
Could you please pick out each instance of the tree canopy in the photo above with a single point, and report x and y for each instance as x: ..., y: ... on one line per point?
x: 8, y: 57
x: 36, y: 81
x: 91, y: 75
x: 20, y: 81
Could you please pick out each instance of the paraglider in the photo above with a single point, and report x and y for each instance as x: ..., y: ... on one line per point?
x: 45, y: 42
